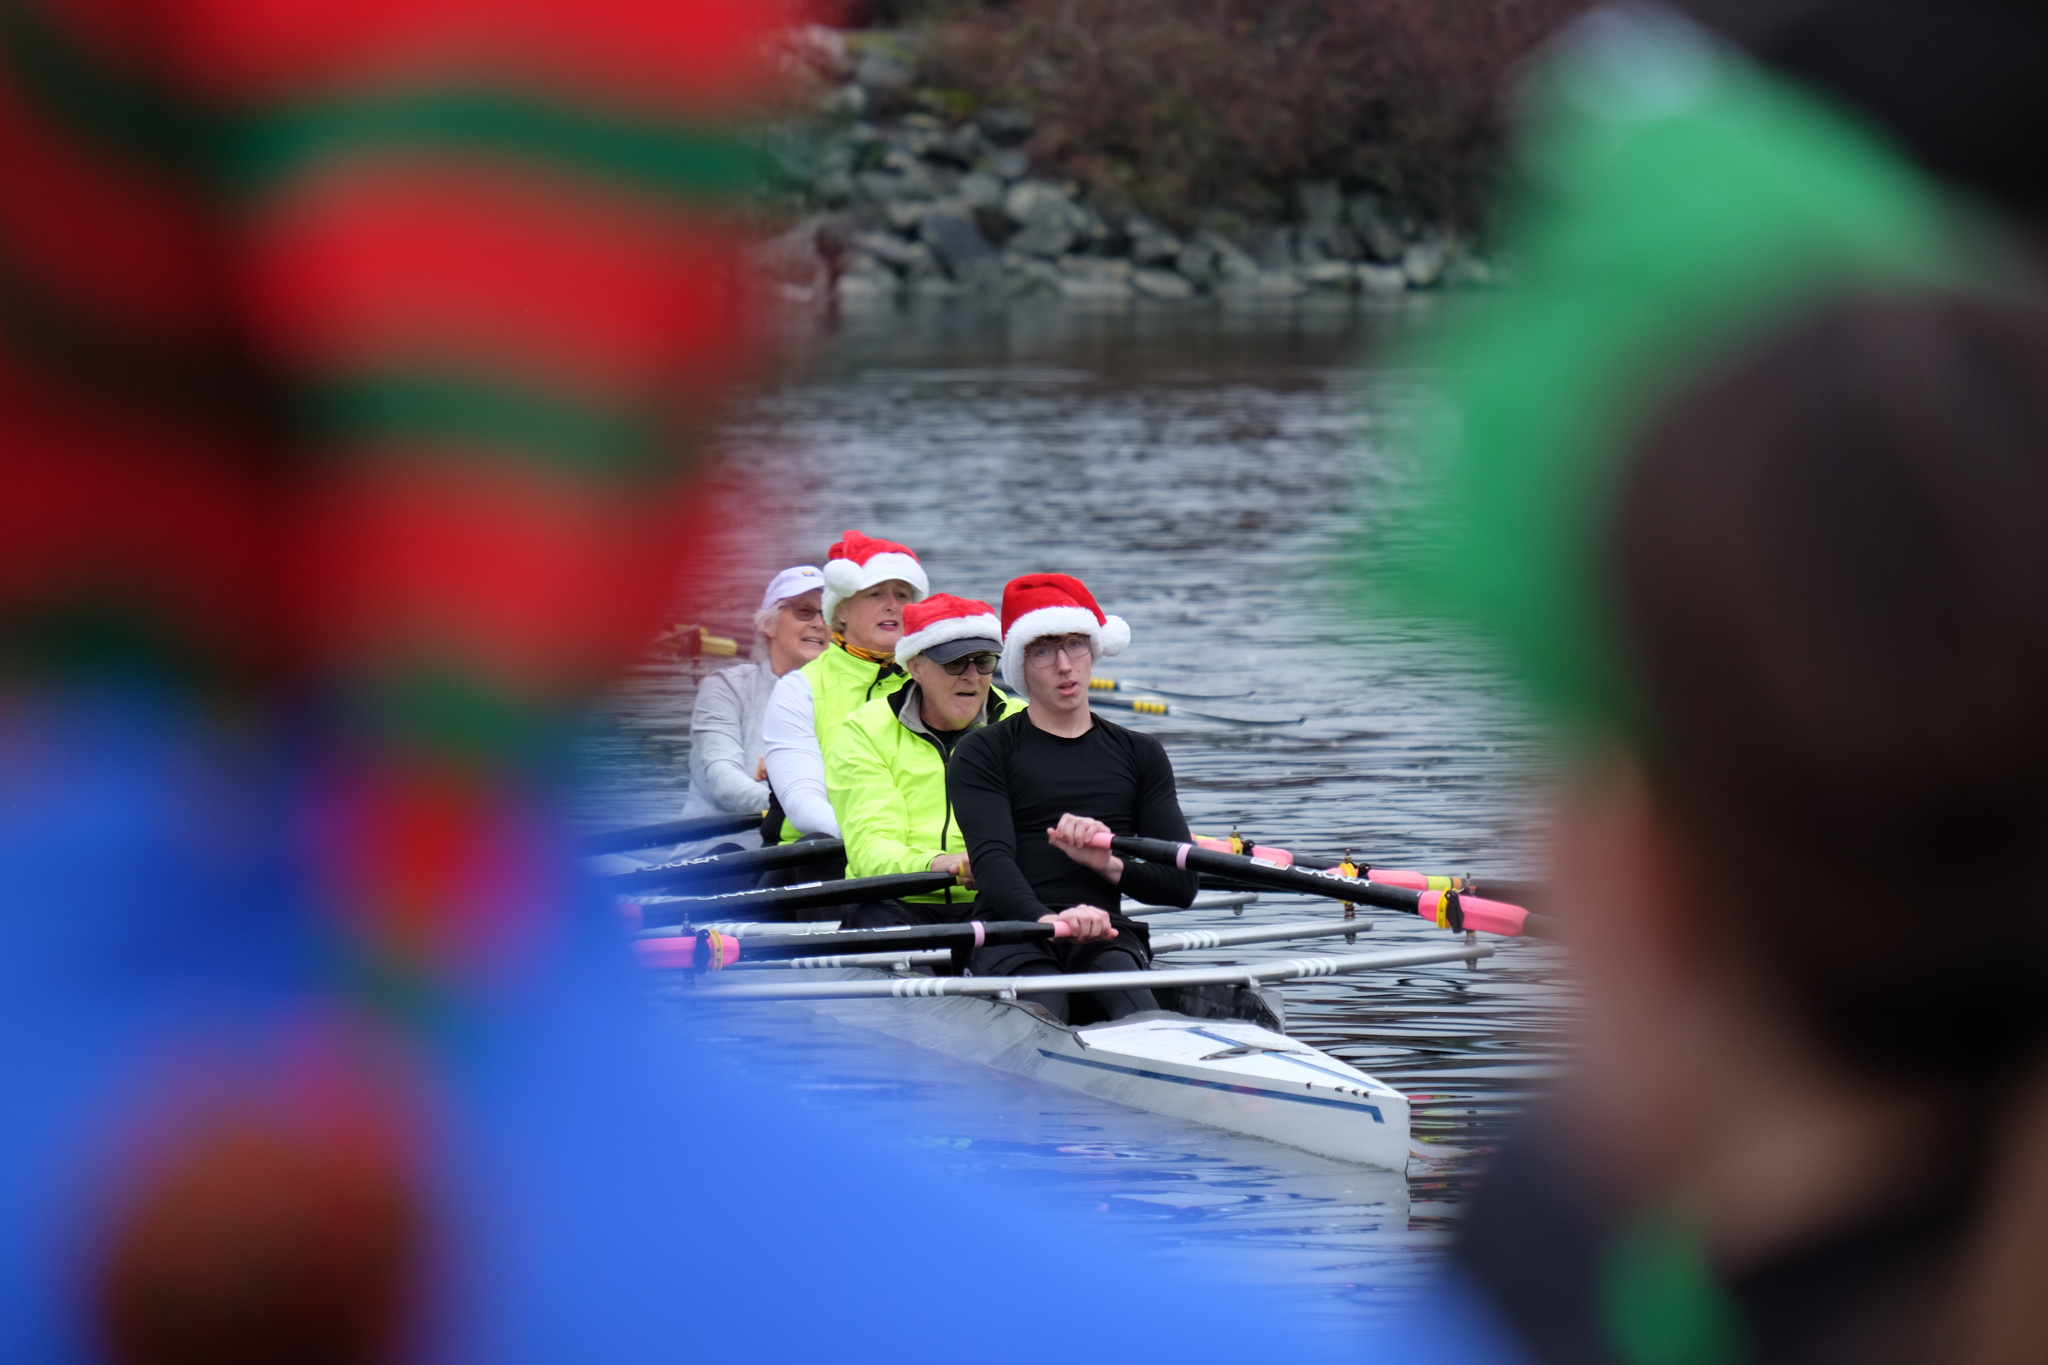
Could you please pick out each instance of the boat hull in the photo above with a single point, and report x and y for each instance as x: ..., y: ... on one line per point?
x: 1227, y: 1073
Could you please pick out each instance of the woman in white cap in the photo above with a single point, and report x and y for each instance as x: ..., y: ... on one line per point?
x: 868, y: 583
x: 727, y: 770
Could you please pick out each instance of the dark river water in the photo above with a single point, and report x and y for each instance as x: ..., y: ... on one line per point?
x: 1213, y: 478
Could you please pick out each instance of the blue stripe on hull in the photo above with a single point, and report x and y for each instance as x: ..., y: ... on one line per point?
x: 1214, y: 1085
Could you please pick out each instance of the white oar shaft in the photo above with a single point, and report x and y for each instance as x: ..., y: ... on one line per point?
x: 1204, y: 900
x: 911, y: 987
x: 1187, y: 940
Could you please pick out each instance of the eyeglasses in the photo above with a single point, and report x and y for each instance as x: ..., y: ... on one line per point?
x: 1041, y: 654
x: 981, y: 663
x: 805, y: 612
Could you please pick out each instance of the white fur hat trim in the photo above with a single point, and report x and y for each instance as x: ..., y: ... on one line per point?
x: 1110, y: 636
x: 844, y: 577
x: 952, y: 628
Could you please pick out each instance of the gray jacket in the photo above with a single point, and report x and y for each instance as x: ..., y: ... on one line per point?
x: 725, y: 740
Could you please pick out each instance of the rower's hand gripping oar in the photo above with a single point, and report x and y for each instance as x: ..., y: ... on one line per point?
x: 709, y: 950
x: 1446, y: 909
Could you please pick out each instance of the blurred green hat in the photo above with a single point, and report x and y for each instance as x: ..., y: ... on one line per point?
x: 1676, y: 199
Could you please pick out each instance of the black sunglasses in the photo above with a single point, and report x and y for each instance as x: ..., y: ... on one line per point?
x: 982, y: 663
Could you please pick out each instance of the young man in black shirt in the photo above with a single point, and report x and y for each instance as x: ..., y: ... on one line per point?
x: 1030, y: 790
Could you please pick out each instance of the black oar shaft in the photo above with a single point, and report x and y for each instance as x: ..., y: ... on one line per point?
x: 813, y: 896
x: 1271, y: 876
x: 974, y: 934
x: 671, y: 832
x: 824, y: 854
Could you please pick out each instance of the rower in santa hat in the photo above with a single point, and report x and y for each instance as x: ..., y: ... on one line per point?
x: 1032, y: 789
x: 886, y: 773
x: 868, y: 583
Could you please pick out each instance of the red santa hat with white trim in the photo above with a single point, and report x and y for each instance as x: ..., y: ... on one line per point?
x: 856, y: 563
x: 1042, y: 604
x: 946, y: 627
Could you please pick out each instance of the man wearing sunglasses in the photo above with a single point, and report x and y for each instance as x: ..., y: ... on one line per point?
x: 886, y: 772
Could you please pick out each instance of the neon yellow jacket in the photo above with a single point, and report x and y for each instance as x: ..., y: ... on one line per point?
x: 887, y: 779
x: 804, y: 715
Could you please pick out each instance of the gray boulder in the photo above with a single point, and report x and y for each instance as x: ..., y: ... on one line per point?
x: 980, y: 189
x: 1151, y: 244
x: 963, y: 146
x: 1011, y: 164
x: 1272, y: 248
x: 1005, y: 125
x: 1095, y: 278
x: 1162, y: 284
x: 888, y: 248
x: 920, y: 134
x: 1095, y: 268
x: 865, y: 281
x: 1423, y: 262
x: 1273, y: 284
x: 879, y: 73
x: 1029, y: 274
x: 1381, y: 279
x: 903, y: 214
x: 1375, y: 227
x: 1199, y: 265
x: 1337, y: 275
x: 955, y: 240
x: 1048, y: 221
x: 1231, y: 264
x: 880, y: 187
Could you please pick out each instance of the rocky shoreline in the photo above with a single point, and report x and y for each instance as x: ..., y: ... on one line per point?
x: 910, y: 204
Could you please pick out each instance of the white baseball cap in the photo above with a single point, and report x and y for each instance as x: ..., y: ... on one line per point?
x: 793, y: 582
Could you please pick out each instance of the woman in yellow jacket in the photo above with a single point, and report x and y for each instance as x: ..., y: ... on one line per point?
x: 868, y: 583
x: 886, y: 771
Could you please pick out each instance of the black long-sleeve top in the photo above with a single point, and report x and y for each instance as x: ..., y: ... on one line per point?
x: 1011, y: 781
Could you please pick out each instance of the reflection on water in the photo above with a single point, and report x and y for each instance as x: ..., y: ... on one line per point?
x: 1203, y: 473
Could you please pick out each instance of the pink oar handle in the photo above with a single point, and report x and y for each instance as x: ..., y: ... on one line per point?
x: 1100, y: 840
x: 1062, y: 929
x: 1488, y: 917
x: 680, y: 952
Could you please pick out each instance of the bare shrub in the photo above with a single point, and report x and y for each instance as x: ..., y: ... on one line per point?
x: 1174, y: 106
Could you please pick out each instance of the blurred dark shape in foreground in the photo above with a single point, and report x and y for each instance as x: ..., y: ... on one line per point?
x: 1808, y: 1123
x: 354, y: 360
x: 1959, y: 83
x: 1750, y: 478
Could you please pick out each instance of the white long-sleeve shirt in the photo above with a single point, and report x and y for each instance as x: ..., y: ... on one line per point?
x: 796, y: 765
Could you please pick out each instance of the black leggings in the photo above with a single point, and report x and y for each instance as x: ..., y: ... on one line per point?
x: 1110, y: 1004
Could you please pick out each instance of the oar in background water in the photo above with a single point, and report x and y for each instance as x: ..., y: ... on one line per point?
x: 670, y: 832
x: 826, y: 855
x: 1112, y: 685
x: 1160, y: 708
x: 1447, y: 909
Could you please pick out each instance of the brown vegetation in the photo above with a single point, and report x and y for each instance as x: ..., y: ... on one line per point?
x: 1174, y: 107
